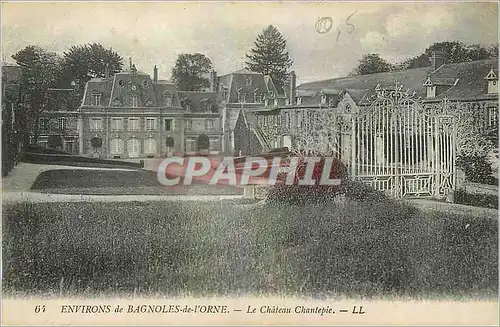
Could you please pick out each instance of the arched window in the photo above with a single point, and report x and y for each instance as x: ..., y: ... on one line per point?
x: 150, y: 145
x: 133, y: 148
x: 116, y: 146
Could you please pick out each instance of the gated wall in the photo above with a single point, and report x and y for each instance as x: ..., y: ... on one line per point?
x: 394, y: 143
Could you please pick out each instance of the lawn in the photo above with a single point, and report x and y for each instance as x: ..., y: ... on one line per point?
x: 354, y: 249
x: 119, y: 182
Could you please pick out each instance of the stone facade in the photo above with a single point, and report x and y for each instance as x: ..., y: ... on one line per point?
x: 131, y: 115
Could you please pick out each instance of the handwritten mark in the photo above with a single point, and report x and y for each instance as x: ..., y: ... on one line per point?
x: 324, y: 25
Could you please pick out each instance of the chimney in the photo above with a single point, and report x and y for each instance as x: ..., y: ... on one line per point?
x: 292, y: 84
x: 213, y: 81
x: 106, y: 70
x: 155, y: 74
x: 437, y: 59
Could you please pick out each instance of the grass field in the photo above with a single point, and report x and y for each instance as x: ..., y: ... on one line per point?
x: 116, y: 182
x: 352, y: 249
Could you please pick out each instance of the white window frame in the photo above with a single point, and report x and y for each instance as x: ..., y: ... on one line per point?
x: 299, y: 100
x: 134, y: 119
x: 192, y: 144
x: 275, y: 102
x: 135, y: 141
x: 136, y: 98
x: 42, y: 124
x: 96, y: 99
x: 189, y: 124
x: 95, y: 124
x: 150, y: 126
x: 113, y: 151
x: 147, y: 145
x: 62, y: 124
x: 323, y: 99
x: 114, y: 121
x: 168, y: 101
x: 431, y: 91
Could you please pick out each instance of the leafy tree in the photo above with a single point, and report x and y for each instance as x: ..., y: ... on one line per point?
x: 453, y: 52
x: 41, y: 70
x: 190, y: 71
x: 370, y: 64
x: 269, y: 56
x: 83, y: 62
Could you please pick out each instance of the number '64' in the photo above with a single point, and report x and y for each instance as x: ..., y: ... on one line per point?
x: 39, y: 308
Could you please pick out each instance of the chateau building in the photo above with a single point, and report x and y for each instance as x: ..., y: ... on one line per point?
x: 470, y: 89
x: 238, y: 92
x: 130, y: 115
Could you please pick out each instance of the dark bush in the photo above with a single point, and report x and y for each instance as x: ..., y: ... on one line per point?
x: 477, y: 169
x: 476, y: 199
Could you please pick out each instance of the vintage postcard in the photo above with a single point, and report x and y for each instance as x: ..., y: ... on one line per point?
x: 249, y: 163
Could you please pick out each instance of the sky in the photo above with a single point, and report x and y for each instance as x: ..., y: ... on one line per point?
x: 154, y: 33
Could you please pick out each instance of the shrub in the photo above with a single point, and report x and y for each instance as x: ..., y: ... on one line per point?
x: 476, y: 199
x: 477, y: 168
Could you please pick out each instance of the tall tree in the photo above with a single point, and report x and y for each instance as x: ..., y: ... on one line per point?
x: 370, y: 64
x: 83, y: 62
x: 190, y: 71
x: 453, y: 52
x: 269, y: 56
x: 41, y: 70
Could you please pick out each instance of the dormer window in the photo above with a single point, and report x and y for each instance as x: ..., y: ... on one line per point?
x: 287, y: 101
x: 431, y: 88
x: 135, y: 101
x: 266, y: 102
x: 492, y: 82
x: 323, y: 99
x: 241, y: 97
x: 257, y: 98
x: 224, y: 94
x: 275, y: 102
x: 299, y: 101
x: 168, y: 101
x: 96, y: 99
x: 145, y: 83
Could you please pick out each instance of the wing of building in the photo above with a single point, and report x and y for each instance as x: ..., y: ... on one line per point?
x: 130, y: 115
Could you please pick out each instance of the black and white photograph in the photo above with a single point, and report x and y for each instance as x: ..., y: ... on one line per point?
x: 249, y: 163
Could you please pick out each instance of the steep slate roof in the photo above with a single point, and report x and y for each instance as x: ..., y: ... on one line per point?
x: 361, y: 85
x: 117, y: 91
x: 471, y: 79
x: 237, y: 82
x: 461, y: 81
x: 198, y: 98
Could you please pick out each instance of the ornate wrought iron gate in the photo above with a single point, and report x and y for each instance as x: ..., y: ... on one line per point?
x: 403, y: 149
